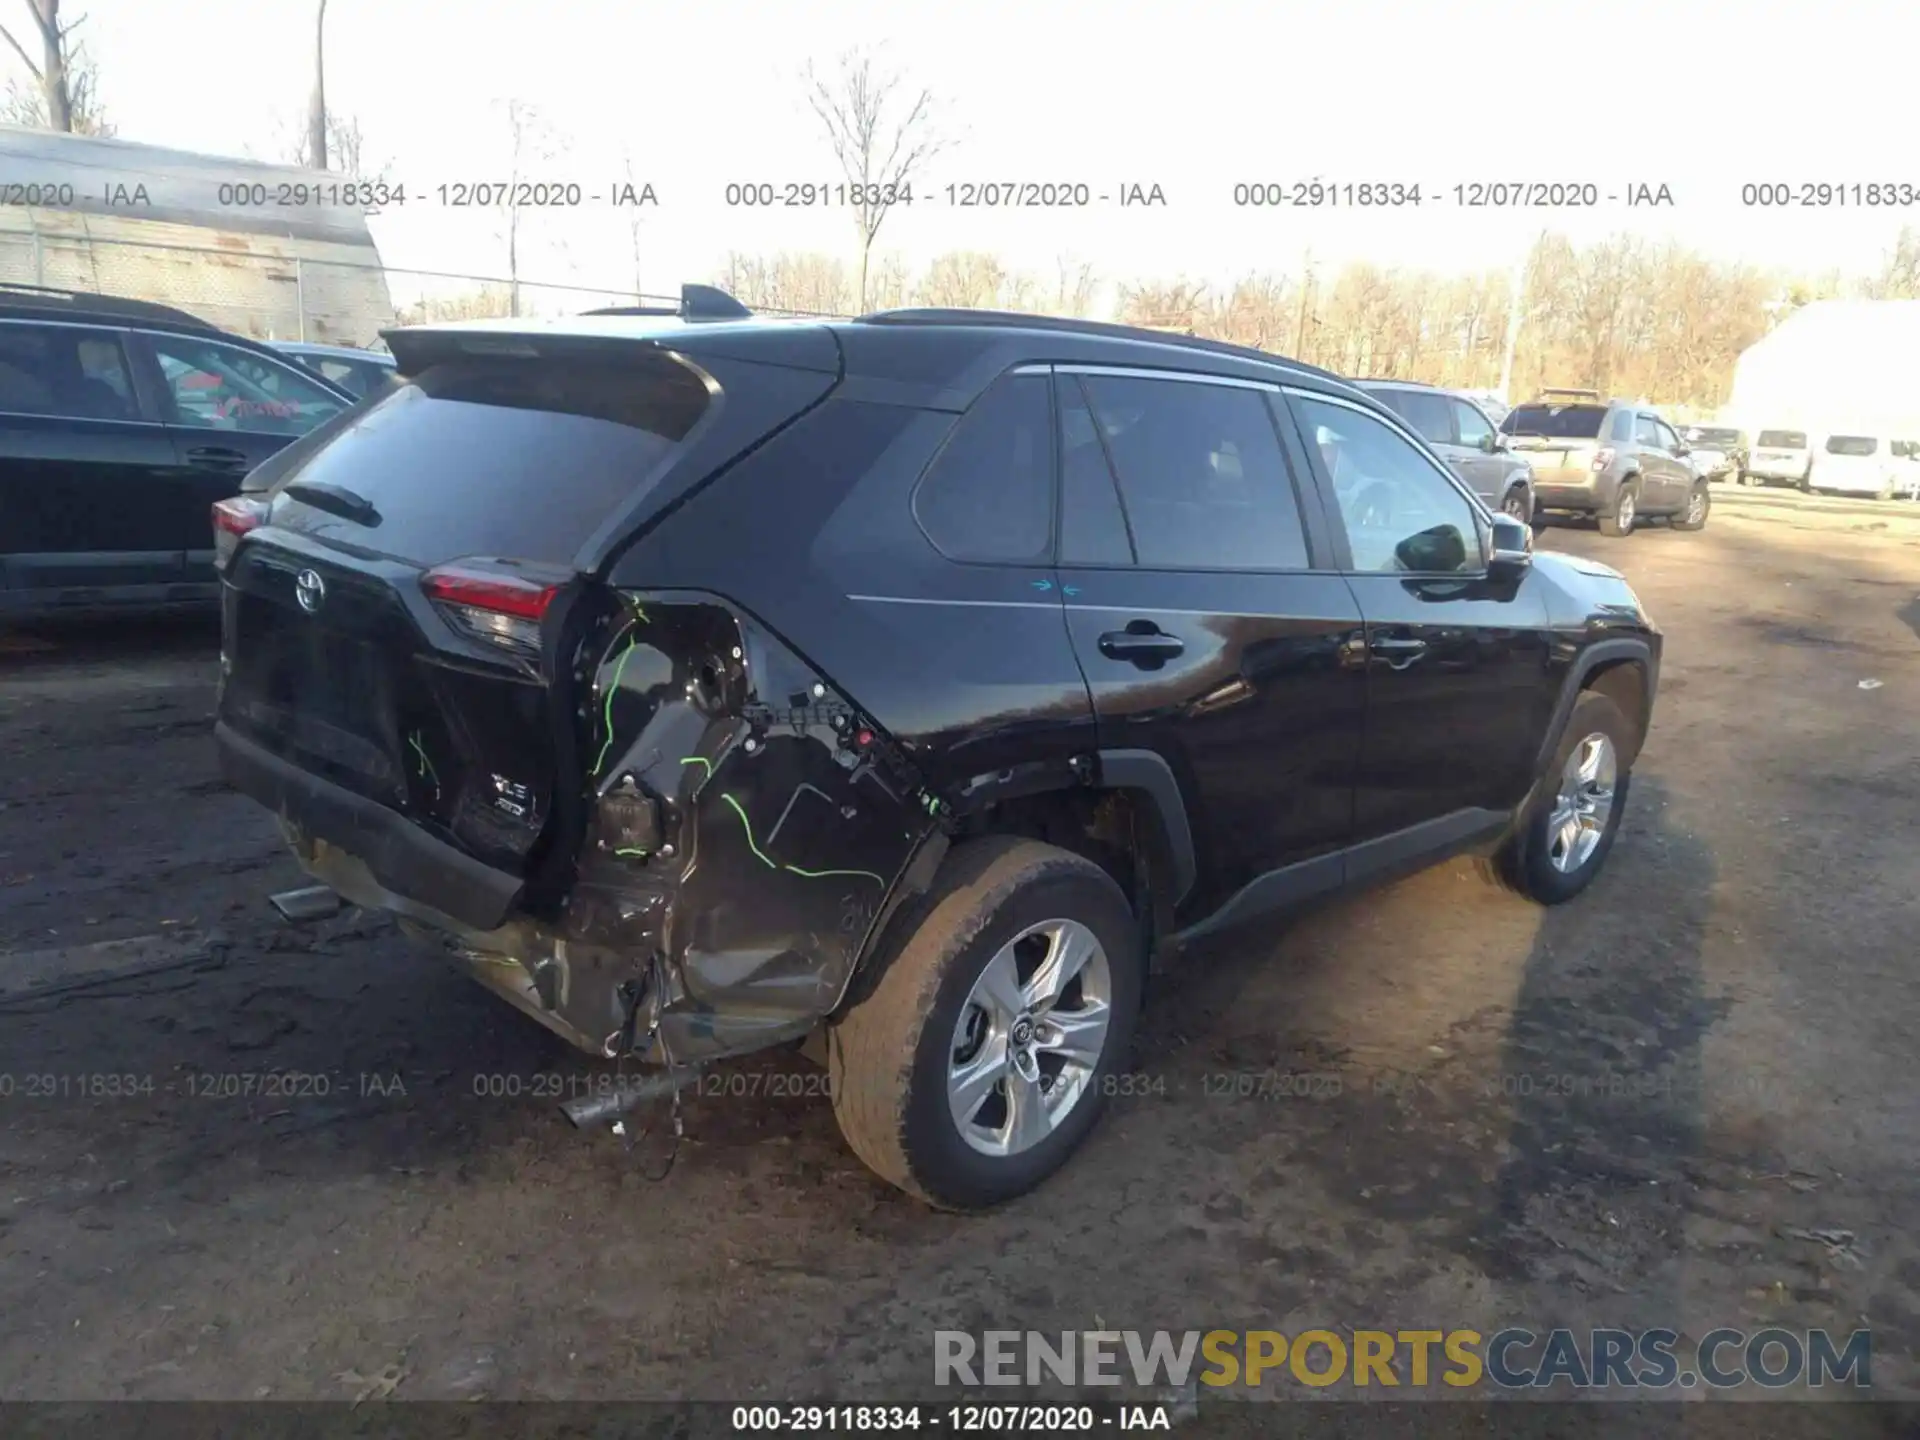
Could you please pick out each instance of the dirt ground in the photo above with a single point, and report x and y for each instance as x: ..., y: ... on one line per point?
x: 1687, y: 1099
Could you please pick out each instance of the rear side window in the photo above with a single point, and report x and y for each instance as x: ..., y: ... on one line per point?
x: 1782, y: 440
x: 507, y: 457
x: 66, y: 371
x: 1425, y: 411
x: 988, y: 495
x: 1556, y: 422
x: 1201, y: 474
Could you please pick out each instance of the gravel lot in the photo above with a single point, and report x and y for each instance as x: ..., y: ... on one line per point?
x: 1687, y: 1099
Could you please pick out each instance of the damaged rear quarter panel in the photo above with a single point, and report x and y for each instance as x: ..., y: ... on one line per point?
x: 747, y: 825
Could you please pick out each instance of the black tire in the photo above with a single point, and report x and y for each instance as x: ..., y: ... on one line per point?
x: 1518, y: 502
x: 1625, y: 514
x: 1683, y: 520
x: 1525, y: 862
x: 889, y: 1054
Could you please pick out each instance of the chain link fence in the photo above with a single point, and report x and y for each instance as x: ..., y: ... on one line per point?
x: 270, y: 296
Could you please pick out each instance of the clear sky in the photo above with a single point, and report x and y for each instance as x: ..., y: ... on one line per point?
x: 1193, y: 96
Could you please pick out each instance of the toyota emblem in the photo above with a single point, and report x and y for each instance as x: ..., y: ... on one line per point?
x: 310, y: 590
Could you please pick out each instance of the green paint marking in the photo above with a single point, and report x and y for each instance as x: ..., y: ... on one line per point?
x: 606, y: 712
x: 772, y: 864
x: 748, y: 826
x: 427, y: 771
x: 641, y: 853
x: 699, y: 760
x: 823, y: 874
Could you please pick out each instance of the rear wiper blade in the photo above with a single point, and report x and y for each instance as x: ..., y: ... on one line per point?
x: 335, y: 499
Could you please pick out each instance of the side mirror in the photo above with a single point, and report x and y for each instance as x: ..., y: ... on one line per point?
x: 1511, y: 552
x: 1682, y: 448
x: 1492, y: 443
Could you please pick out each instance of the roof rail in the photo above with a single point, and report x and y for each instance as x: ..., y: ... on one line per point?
x: 1547, y: 390
x: 1015, y: 320
x: 55, y: 299
x: 697, y: 303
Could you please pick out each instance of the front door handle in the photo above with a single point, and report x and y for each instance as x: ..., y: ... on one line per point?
x: 217, y: 457
x: 1143, y: 643
x: 1398, y: 651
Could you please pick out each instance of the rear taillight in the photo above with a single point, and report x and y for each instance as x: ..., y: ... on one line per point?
x: 1603, y: 457
x: 492, y: 603
x: 233, y: 518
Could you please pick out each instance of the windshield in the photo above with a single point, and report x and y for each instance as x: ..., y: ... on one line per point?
x: 1783, y: 439
x: 1559, y: 422
x: 1852, y: 445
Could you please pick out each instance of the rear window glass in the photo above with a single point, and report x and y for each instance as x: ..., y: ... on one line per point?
x: 1558, y: 422
x: 1782, y: 439
x: 1852, y: 445
x: 496, y: 457
x: 1703, y: 435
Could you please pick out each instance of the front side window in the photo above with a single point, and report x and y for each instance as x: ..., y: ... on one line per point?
x: 65, y: 371
x: 222, y: 387
x: 1201, y: 473
x: 1471, y: 425
x: 1401, y: 514
x: 988, y: 495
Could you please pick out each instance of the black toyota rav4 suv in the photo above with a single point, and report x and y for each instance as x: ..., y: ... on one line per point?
x: 904, y: 683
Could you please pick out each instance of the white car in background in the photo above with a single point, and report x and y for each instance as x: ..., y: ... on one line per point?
x: 1858, y: 465
x: 1780, y: 457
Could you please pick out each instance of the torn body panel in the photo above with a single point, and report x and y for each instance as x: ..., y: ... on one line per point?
x: 746, y: 824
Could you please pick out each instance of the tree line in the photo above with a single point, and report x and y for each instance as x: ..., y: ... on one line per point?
x: 1626, y: 315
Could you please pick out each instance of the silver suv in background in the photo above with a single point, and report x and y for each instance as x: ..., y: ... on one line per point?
x: 1612, y: 459
x: 1463, y: 435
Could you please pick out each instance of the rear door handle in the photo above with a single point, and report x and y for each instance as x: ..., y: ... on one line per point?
x: 1141, y: 643
x: 216, y: 457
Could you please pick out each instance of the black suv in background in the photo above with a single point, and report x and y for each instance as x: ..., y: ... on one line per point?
x: 121, y: 423
x: 903, y: 682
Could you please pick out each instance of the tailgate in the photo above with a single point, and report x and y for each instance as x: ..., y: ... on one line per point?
x: 392, y: 627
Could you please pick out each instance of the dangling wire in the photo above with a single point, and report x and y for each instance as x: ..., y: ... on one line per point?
x: 630, y: 1142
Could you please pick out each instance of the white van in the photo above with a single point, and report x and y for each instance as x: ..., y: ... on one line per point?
x: 1780, y: 457
x: 1857, y: 465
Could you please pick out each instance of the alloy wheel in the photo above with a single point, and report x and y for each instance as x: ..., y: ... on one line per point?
x: 1029, y: 1037
x: 1581, y: 809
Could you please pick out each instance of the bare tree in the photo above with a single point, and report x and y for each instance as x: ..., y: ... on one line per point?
x: 1899, y: 278
x: 65, y: 94
x: 965, y: 280
x: 635, y: 216
x: 1178, y: 305
x: 1074, y: 288
x: 345, y: 152
x: 529, y: 143
x: 801, y: 284
x: 881, y: 140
